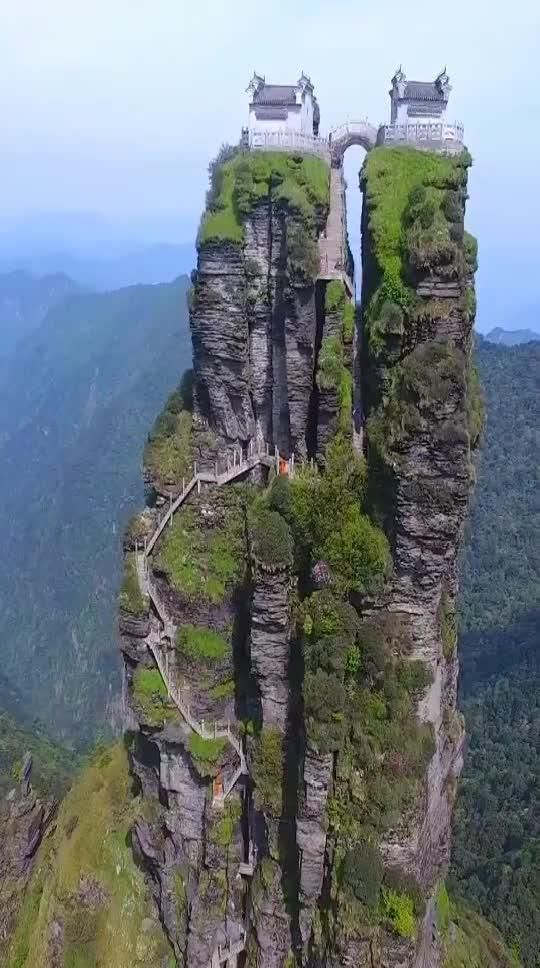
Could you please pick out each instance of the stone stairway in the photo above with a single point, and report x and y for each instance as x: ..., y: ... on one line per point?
x: 332, y: 245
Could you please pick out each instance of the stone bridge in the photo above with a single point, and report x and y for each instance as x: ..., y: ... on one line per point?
x: 351, y: 133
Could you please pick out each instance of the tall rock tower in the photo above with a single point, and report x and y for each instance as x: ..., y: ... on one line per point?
x: 287, y: 612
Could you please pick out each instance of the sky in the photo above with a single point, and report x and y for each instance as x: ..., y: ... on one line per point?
x: 114, y: 107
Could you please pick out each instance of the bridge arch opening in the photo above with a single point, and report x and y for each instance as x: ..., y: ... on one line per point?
x: 353, y: 159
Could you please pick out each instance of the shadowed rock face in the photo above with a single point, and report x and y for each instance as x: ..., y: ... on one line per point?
x: 24, y: 820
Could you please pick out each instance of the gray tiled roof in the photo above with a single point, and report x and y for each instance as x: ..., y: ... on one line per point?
x: 423, y: 91
x: 276, y: 94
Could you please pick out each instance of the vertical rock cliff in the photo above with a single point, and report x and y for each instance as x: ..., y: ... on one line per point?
x: 287, y: 611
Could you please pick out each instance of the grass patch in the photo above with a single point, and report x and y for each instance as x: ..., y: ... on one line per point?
x: 201, y: 644
x: 131, y: 598
x: 202, y: 563
x: 151, y: 698
x: 206, y: 753
x: 298, y: 184
x: 91, y: 846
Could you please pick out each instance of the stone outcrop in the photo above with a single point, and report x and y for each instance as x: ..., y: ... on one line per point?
x: 256, y: 862
x: 24, y: 821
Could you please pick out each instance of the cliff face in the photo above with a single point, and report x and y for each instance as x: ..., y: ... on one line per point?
x: 289, y: 638
x: 24, y: 819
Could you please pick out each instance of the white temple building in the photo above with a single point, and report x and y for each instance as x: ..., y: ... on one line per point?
x: 282, y: 114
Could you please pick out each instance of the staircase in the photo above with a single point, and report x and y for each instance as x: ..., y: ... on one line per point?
x: 333, y: 244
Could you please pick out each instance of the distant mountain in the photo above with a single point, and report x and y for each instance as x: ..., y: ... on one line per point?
x: 107, y: 266
x: 512, y: 337
x: 24, y: 303
x: 496, y: 846
x: 83, y: 388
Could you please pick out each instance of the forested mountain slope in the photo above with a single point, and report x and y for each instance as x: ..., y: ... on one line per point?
x: 497, y: 829
x: 83, y: 389
x: 24, y: 303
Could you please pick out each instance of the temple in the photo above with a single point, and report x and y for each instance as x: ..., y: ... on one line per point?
x: 278, y: 111
x: 286, y: 117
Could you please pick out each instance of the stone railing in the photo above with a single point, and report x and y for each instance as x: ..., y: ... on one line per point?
x: 441, y: 134
x: 288, y: 141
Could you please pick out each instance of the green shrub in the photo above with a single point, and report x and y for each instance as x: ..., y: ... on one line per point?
x: 201, y: 644
x: 324, y: 701
x: 151, y: 697
x: 335, y: 296
x: 303, y: 260
x: 345, y: 402
x: 447, y: 619
x: 223, y: 690
x: 267, y: 770
x: 132, y: 599
x: 399, y: 911
x: 358, y: 552
x: 476, y: 407
x: 362, y: 873
x: 168, y: 455
x: 414, y: 675
x: 348, y: 323
x: 330, y: 363
x: 279, y: 498
x: 452, y: 206
x: 271, y: 539
x: 443, y: 908
x: 222, y: 832
x: 331, y: 616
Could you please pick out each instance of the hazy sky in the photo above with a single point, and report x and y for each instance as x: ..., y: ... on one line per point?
x: 116, y: 106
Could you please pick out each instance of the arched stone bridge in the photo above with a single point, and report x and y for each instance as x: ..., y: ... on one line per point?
x: 351, y: 133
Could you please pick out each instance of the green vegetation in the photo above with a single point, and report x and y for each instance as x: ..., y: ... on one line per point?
x: 398, y: 908
x: 447, y: 617
x: 356, y: 551
x: 95, y: 373
x: 201, y: 644
x: 53, y: 765
x: 268, y: 770
x: 330, y: 363
x: 496, y: 844
x: 471, y: 942
x: 222, y: 832
x: 335, y: 296
x: 270, y: 538
x: 206, y: 753
x: 202, y: 562
x: 295, y: 184
x: 223, y: 690
x: 151, y: 698
x: 443, y: 908
x: 86, y: 879
x: 432, y: 376
x: 363, y: 873
x: 416, y: 205
x: 167, y: 454
x: 131, y: 598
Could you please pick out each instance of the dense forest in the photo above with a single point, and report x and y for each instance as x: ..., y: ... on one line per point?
x: 497, y: 826
x: 76, y: 401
